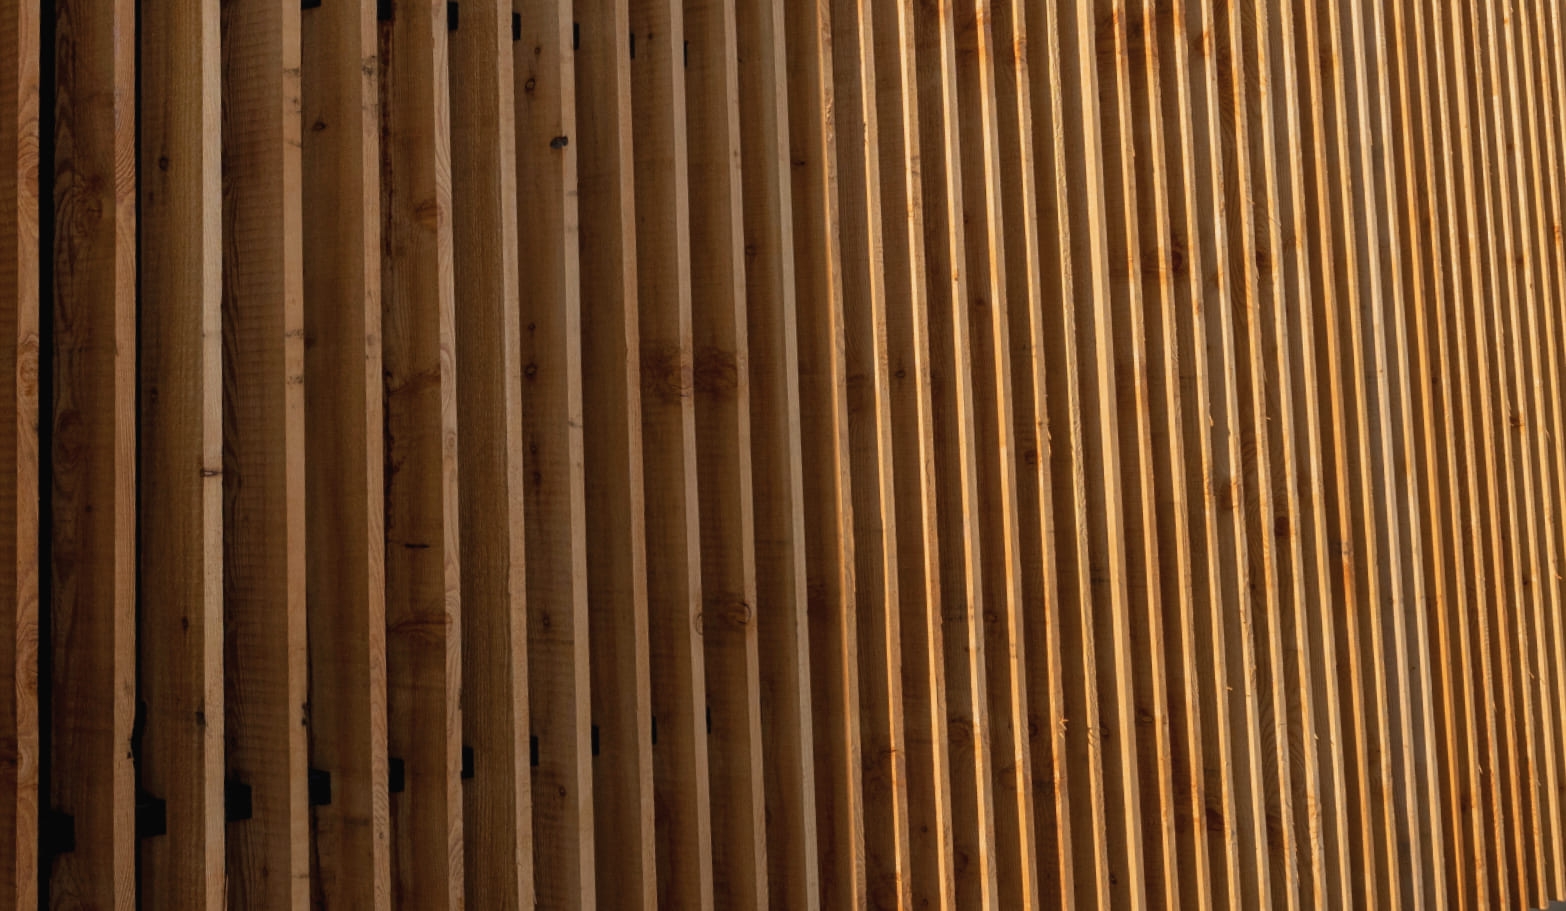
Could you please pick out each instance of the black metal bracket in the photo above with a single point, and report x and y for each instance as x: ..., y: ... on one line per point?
x: 396, y: 776
x: 319, y: 784
x: 152, y: 815
x: 238, y: 804
x: 467, y: 762
x: 59, y: 833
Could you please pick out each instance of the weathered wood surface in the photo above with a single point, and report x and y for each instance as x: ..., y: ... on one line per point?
x: 745, y: 453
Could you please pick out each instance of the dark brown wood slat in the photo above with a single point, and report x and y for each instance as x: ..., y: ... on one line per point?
x: 92, y: 493
x: 497, y: 799
x: 179, y: 634
x: 423, y: 573
x: 777, y: 468
x: 264, y: 656
x: 624, y: 837
x: 549, y: 272
x: 19, y: 339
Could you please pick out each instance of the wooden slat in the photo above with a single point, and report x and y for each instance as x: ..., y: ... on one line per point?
x: 957, y: 494
x: 829, y: 506
x: 1489, y: 574
x: 554, y: 495
x: 92, y: 476
x: 887, y: 835
x: 497, y: 800
x: 930, y: 879
x: 777, y: 476
x: 1255, y: 493
x: 625, y: 843
x: 1123, y: 196
x: 423, y: 611
x: 877, y: 628
x: 721, y: 387
x: 679, y: 692
x: 179, y: 753
x: 1163, y: 689
x: 1529, y: 419
x: 1518, y: 728
x: 1074, y: 720
x: 19, y: 328
x: 345, y: 579
x: 1227, y: 744
x: 1298, y: 678
x: 265, y: 662
x: 1273, y: 478
x: 1035, y: 619
x: 1354, y: 480
x: 1543, y: 27
x: 1107, y: 512
x: 1444, y: 787
x: 1396, y: 521
x: 1463, y: 744
x: 1425, y: 837
x: 1314, y: 736
x: 1003, y: 721
x: 1215, y: 860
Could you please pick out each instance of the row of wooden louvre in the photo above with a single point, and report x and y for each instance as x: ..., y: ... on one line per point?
x: 791, y: 453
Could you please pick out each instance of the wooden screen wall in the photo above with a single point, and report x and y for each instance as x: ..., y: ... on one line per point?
x: 806, y: 454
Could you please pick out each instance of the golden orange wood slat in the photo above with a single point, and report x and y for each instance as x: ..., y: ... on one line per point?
x: 931, y: 877
x: 777, y: 475
x: 1002, y: 720
x: 828, y: 497
x: 1074, y: 706
x: 957, y: 455
x: 1034, y: 622
x: 1321, y: 810
x: 1504, y: 266
x: 721, y: 387
x: 91, y: 494
x: 876, y: 569
x: 1434, y: 798
x: 1488, y: 560
x: 1463, y: 737
x: 1124, y: 192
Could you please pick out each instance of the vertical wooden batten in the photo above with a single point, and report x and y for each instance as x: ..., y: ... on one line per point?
x: 423, y: 572
x: 264, y: 657
x: 497, y: 798
x: 179, y: 753
x: 345, y: 553
x: 625, y: 837
x: 559, y: 697
x: 92, y: 479
x: 19, y: 334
